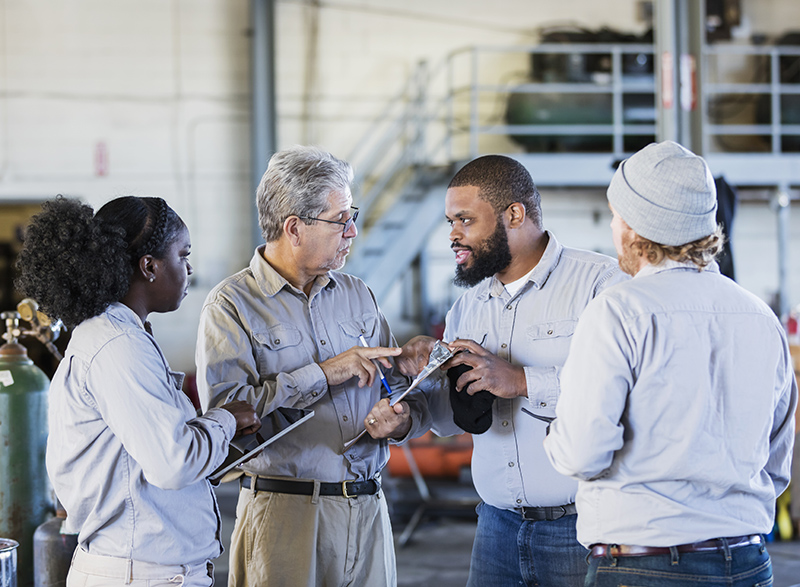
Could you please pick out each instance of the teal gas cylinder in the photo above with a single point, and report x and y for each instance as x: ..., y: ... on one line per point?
x: 25, y: 493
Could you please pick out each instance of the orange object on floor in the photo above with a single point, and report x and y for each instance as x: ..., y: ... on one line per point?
x: 435, y: 456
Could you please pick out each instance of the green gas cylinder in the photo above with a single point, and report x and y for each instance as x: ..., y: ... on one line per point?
x: 25, y: 493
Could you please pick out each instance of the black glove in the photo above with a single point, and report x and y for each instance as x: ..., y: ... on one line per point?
x: 471, y: 413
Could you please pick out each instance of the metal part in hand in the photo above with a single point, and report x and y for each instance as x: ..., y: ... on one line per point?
x: 439, y: 355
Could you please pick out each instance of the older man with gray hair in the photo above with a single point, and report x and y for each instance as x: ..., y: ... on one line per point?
x: 287, y: 331
x: 678, y: 396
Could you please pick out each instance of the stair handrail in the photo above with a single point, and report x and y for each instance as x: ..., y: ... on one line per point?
x: 380, y: 158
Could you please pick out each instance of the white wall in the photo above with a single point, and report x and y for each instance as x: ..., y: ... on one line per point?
x: 161, y: 87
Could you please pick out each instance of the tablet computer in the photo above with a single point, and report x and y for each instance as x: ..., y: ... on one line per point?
x: 273, y: 426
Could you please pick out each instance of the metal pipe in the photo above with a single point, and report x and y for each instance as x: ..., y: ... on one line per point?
x: 782, y: 205
x: 262, y: 77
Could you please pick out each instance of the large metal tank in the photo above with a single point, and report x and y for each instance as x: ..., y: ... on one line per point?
x: 25, y: 493
x: 52, y: 552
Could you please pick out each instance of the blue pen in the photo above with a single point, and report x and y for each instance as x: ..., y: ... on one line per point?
x: 380, y: 372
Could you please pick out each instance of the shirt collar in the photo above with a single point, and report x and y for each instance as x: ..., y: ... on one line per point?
x: 668, y: 264
x: 123, y: 313
x: 493, y: 287
x: 270, y: 282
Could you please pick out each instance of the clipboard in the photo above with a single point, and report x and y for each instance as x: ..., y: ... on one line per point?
x: 273, y: 426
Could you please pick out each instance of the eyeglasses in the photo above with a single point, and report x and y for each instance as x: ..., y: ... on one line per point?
x: 347, y: 224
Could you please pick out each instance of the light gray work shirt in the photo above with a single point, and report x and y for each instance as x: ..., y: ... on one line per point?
x: 676, y: 412
x: 532, y: 329
x: 261, y: 340
x: 127, y: 455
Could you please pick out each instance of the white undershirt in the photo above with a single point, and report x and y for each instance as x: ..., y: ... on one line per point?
x: 513, y: 287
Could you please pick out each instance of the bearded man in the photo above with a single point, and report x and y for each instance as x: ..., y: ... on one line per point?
x: 516, y: 321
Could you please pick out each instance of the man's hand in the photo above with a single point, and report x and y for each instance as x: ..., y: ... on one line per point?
x: 388, y: 421
x: 357, y: 362
x: 489, y: 372
x: 415, y: 355
x: 247, y: 421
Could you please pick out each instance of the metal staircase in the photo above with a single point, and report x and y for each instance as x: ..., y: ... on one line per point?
x: 399, y: 186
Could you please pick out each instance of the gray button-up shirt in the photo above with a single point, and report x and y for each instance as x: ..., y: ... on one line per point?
x: 126, y: 454
x: 677, y: 411
x: 532, y: 329
x: 261, y: 340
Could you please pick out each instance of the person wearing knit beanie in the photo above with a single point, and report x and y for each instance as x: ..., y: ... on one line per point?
x: 663, y: 198
x: 666, y: 194
x: 678, y: 396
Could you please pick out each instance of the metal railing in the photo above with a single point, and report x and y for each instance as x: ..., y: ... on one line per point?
x: 440, y: 116
x: 459, y: 109
x: 774, y: 102
x: 611, y: 82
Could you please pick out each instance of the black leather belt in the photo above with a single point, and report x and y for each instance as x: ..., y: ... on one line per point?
x: 715, y: 544
x: 547, y: 513
x: 343, y: 489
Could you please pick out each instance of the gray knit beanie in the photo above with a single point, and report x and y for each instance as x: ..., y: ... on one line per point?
x: 666, y: 194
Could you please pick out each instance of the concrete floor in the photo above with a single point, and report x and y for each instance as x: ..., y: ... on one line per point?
x: 438, y: 551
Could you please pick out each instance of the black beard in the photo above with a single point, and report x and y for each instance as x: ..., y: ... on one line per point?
x: 491, y: 256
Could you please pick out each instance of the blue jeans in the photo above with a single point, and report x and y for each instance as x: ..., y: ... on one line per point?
x: 511, y: 551
x: 745, y: 566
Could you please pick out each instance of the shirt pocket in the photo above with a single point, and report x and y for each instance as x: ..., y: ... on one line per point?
x: 477, y: 336
x: 548, y: 342
x: 552, y: 330
x: 280, y: 349
x: 185, y: 400
x: 365, y: 326
x: 177, y: 378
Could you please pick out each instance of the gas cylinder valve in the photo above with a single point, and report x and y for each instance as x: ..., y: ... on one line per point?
x: 42, y: 328
x: 12, y: 332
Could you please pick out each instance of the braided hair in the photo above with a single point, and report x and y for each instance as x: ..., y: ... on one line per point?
x: 76, y: 263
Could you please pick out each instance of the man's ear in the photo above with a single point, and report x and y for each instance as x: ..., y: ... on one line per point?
x: 516, y: 215
x: 293, y: 230
x: 147, y: 267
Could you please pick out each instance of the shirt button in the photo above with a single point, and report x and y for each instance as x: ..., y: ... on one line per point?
x: 344, y: 418
x: 510, y: 464
x: 363, y: 331
x: 505, y: 422
x: 550, y: 331
x: 519, y: 501
x: 542, y: 404
x: 508, y: 307
x: 322, y: 341
x: 277, y: 341
x: 313, y: 394
x: 504, y: 345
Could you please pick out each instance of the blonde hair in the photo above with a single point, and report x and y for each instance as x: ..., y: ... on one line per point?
x: 700, y: 252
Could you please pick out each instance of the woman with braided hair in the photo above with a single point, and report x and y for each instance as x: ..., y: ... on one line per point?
x: 127, y: 455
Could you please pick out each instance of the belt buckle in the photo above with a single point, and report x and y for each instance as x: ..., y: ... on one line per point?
x: 344, y: 490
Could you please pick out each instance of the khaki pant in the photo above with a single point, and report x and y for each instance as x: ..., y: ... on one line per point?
x: 293, y: 540
x: 91, y: 570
